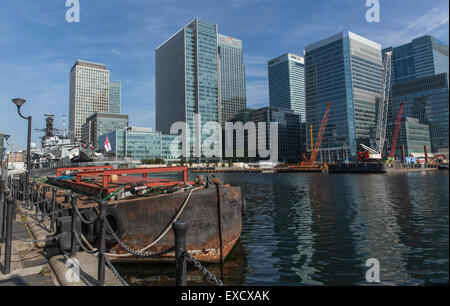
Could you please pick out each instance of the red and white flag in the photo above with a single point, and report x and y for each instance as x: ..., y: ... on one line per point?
x: 107, y: 145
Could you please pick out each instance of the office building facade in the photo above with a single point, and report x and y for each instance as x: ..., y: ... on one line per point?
x: 102, y: 123
x: 200, y: 78
x: 412, y: 134
x: 420, y: 79
x: 232, y: 90
x: 289, y: 131
x: 344, y: 69
x: 287, y: 83
x: 141, y: 143
x: 89, y: 93
x: 115, y: 97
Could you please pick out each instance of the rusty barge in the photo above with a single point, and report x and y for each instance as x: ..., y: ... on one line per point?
x: 142, y: 207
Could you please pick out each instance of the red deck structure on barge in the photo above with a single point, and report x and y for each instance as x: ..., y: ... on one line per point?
x: 94, y: 180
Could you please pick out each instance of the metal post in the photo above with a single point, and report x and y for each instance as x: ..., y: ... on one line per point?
x: 67, y: 197
x: 426, y: 154
x: 44, y: 203
x: 403, y: 155
x: 5, y: 213
x: 73, y: 232
x: 38, y: 198
x: 28, y: 150
x: 102, y: 246
x: 11, y: 202
x: 2, y: 188
x: 180, y: 229
x: 53, y: 217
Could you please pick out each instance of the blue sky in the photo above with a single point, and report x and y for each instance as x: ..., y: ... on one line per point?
x: 38, y: 47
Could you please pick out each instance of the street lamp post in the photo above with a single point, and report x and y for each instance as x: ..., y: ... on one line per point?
x: 4, y: 171
x: 126, y: 129
x: 19, y: 102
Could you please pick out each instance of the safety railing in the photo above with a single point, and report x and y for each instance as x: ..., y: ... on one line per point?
x: 33, y: 196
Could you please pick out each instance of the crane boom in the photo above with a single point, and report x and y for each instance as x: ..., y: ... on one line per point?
x: 320, y: 135
x: 384, y: 102
x: 397, y: 128
x: 380, y: 136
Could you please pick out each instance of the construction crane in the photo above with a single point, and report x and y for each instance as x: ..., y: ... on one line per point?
x: 380, y: 137
x: 397, y: 129
x: 316, y: 147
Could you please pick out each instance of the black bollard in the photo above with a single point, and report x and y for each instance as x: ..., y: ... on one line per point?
x: 102, y: 246
x: 4, y: 215
x: 2, y: 188
x: 67, y: 197
x: 73, y: 240
x: 53, y: 217
x: 8, y: 241
x: 44, y: 203
x: 180, y: 229
x: 38, y: 199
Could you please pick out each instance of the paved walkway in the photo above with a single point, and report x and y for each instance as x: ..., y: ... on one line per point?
x: 39, y: 264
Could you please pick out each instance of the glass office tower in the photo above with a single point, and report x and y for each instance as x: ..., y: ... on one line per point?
x: 114, y: 97
x: 420, y: 79
x: 199, y: 72
x: 89, y: 93
x: 232, y: 93
x: 344, y: 69
x: 142, y: 143
x: 412, y: 135
x: 187, y: 80
x: 102, y: 123
x: 287, y: 83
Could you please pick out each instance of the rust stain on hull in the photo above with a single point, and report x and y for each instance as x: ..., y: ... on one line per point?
x: 149, y: 216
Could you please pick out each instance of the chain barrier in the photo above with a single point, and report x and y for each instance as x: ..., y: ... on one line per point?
x: 202, y: 269
x: 43, y: 215
x: 114, y: 271
x: 131, y: 251
x: 52, y: 238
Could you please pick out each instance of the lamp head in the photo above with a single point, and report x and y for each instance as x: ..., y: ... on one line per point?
x: 6, y: 137
x: 19, y: 102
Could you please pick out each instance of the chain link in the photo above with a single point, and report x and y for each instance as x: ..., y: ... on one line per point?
x: 131, y: 251
x: 202, y: 269
x: 114, y: 271
x: 39, y: 240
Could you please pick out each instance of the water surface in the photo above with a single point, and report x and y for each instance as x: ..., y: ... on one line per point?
x: 319, y: 229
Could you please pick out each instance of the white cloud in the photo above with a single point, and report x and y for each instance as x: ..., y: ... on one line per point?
x: 434, y: 22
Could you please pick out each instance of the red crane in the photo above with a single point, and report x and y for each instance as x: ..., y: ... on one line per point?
x: 397, y: 129
x: 318, y: 140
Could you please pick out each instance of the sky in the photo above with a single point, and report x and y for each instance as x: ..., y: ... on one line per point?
x: 38, y: 47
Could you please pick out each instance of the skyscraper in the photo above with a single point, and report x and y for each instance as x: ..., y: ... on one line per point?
x: 89, y: 93
x: 114, y: 97
x: 420, y: 79
x: 232, y: 91
x: 344, y: 69
x: 188, y: 73
x: 287, y: 83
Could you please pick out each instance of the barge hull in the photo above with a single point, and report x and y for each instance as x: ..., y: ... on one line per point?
x: 148, y: 216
